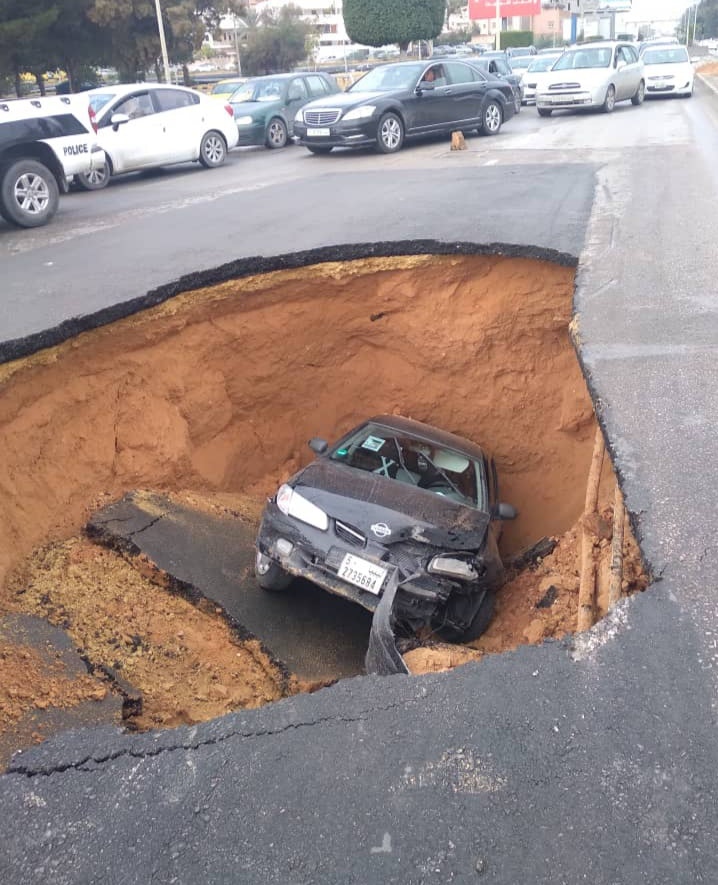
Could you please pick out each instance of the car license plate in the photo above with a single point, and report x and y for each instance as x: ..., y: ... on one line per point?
x: 319, y: 133
x: 361, y: 573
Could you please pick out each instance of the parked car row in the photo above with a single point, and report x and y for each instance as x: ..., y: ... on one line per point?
x: 146, y: 125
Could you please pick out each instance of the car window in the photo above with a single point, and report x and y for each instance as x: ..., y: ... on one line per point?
x: 99, y: 100
x: 579, y: 59
x: 626, y: 55
x: 385, y: 78
x: 259, y: 90
x: 401, y: 457
x: 665, y: 56
x: 502, y: 66
x: 225, y: 87
x: 297, y: 90
x: 435, y: 74
x: 459, y: 73
x: 545, y: 63
x: 317, y: 85
x: 173, y: 99
x: 136, y: 106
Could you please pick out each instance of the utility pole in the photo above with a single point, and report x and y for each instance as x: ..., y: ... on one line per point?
x: 236, y: 45
x: 498, y: 24
x: 163, y: 42
x: 695, y: 22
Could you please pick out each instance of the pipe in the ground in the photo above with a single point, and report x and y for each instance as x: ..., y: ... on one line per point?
x: 619, y: 512
x: 587, y: 587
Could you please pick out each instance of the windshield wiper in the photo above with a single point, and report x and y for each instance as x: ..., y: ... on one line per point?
x: 445, y: 477
x: 401, y: 460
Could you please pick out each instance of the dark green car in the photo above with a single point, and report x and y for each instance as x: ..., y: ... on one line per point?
x: 265, y: 107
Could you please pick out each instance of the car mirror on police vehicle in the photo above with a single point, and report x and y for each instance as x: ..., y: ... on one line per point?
x: 318, y: 445
x: 506, y: 511
x: 118, y: 119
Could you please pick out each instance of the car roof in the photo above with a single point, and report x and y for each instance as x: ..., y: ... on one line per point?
x: 429, y: 433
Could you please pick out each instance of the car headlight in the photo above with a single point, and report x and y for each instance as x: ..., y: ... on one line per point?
x: 244, y: 121
x: 299, y: 116
x: 453, y: 567
x: 291, y: 503
x: 361, y: 113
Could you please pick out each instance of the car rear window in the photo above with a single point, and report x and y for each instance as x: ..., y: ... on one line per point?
x: 414, y: 461
x: 99, y: 100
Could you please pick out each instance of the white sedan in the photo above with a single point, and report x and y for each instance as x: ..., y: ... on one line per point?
x: 668, y: 71
x: 593, y: 75
x: 141, y: 126
x: 533, y: 75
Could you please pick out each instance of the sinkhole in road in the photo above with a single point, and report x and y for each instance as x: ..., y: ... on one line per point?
x: 209, y: 399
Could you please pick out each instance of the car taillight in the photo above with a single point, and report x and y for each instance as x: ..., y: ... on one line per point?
x: 229, y: 109
x: 93, y: 118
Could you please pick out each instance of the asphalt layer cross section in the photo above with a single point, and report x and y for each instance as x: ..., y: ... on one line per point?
x: 317, y: 636
x: 593, y: 759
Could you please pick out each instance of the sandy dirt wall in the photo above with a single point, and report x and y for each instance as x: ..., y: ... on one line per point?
x: 219, y: 389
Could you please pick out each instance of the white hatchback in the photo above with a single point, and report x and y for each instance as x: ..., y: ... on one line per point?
x: 668, y: 71
x: 141, y: 126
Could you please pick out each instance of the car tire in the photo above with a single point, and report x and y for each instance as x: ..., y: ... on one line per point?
x: 479, y: 622
x: 95, y: 180
x: 212, y: 149
x: 29, y: 194
x: 544, y: 112
x: 318, y: 149
x: 491, y: 118
x: 640, y: 95
x: 609, y: 102
x: 270, y: 575
x: 390, y: 134
x: 276, y: 133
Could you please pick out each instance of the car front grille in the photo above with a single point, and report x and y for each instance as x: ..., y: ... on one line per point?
x: 349, y: 534
x: 322, y: 118
x: 569, y: 87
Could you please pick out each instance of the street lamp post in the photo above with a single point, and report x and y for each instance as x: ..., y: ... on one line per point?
x: 163, y: 42
x: 236, y: 45
x: 498, y: 24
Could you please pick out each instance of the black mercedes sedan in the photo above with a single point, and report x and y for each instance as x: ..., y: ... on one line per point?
x: 394, y: 501
x: 398, y: 101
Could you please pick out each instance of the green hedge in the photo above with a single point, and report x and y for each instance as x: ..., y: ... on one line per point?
x: 516, y: 38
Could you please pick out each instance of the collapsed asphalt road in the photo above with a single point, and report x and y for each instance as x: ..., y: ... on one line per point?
x: 592, y: 760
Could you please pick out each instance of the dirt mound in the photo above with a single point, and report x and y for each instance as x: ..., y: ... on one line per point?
x: 186, y: 662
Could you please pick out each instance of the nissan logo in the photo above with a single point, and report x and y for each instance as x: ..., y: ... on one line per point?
x: 381, y: 530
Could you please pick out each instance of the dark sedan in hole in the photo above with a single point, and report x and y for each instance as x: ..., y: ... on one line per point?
x: 393, y: 500
x: 398, y: 101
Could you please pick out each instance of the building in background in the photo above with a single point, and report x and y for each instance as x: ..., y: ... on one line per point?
x: 327, y: 18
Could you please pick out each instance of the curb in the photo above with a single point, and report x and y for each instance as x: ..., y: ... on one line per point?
x: 707, y: 80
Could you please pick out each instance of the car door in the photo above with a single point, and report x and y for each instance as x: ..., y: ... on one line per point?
x: 179, y: 126
x: 467, y: 93
x: 136, y: 143
x: 634, y: 68
x: 297, y: 97
x: 432, y: 105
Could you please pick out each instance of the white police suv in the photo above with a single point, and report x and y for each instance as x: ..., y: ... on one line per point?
x: 44, y: 143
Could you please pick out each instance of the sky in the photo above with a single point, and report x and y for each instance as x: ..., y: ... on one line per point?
x: 659, y: 9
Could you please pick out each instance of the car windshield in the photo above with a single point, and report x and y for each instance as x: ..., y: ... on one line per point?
x: 259, y: 90
x: 388, y: 77
x: 545, y: 63
x: 520, y: 63
x: 665, y: 56
x: 227, y: 88
x: 100, y: 99
x: 584, y: 58
x: 414, y: 461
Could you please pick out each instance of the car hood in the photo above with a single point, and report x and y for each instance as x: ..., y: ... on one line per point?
x: 587, y: 77
x: 365, y: 499
x: 682, y: 69
x: 348, y: 99
x: 245, y: 108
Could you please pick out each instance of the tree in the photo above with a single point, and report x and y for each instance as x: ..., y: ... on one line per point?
x: 23, y: 28
x: 378, y: 22
x: 277, y: 42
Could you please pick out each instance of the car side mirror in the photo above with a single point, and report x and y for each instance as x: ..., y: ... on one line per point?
x: 506, y: 511
x: 424, y: 87
x: 118, y: 119
x: 318, y: 445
